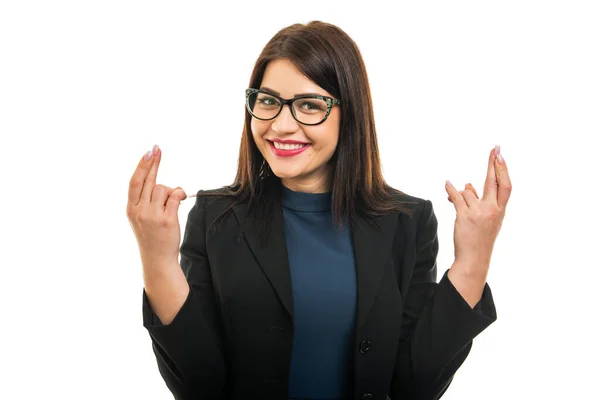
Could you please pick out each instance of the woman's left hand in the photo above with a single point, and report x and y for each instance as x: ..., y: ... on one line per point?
x: 478, y: 221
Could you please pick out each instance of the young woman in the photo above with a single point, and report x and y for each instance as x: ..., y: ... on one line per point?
x: 309, y: 277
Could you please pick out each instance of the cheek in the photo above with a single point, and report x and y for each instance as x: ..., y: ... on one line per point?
x: 327, y: 141
x: 327, y: 134
x: 258, y: 130
x: 257, y: 141
x: 334, y: 141
x: 253, y: 129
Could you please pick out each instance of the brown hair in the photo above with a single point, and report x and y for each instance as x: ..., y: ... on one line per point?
x: 330, y: 58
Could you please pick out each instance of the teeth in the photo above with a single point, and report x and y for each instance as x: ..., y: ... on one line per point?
x: 287, y: 146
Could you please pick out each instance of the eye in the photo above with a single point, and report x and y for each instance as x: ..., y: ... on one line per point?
x: 267, y: 101
x: 308, y: 105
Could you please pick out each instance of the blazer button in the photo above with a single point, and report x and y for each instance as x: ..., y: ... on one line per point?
x: 365, y: 345
x: 367, y: 396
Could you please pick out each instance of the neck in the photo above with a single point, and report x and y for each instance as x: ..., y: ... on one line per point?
x: 321, y: 183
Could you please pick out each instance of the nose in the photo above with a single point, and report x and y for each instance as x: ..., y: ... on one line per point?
x: 285, y: 122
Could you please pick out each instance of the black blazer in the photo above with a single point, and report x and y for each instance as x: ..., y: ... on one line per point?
x: 232, y: 338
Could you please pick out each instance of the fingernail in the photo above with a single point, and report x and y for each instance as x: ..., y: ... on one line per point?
x: 497, y: 150
x: 500, y: 159
x: 155, y: 149
x: 449, y: 184
x: 147, y: 156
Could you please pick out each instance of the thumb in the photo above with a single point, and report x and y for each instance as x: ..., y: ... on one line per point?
x: 470, y: 187
x: 456, y: 198
x: 176, y: 196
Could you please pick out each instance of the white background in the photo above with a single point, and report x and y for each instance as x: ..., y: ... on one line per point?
x: 87, y: 87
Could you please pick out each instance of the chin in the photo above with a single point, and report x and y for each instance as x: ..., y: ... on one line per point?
x: 286, y: 173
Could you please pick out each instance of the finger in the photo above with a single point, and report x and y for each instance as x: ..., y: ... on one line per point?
x: 504, y: 183
x: 137, y: 179
x: 173, y: 201
x: 150, y: 181
x: 490, y: 189
x: 456, y: 198
x: 470, y: 187
x: 160, y: 193
x: 469, y: 197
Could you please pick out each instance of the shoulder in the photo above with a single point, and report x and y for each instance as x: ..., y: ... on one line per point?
x: 211, y: 204
x: 416, y: 206
x: 418, y: 221
x: 215, y: 197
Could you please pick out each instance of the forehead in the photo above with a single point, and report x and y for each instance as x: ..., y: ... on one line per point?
x: 283, y: 78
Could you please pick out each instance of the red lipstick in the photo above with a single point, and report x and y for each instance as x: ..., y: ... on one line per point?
x: 287, y: 141
x: 287, y: 153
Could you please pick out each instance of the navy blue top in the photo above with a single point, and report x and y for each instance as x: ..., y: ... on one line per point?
x: 322, y: 269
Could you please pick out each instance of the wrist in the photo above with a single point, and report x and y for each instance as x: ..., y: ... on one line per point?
x: 470, y: 270
x: 157, y: 270
x: 468, y: 274
x: 468, y: 280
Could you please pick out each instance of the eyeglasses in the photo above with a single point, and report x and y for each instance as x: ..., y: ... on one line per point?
x: 307, y: 110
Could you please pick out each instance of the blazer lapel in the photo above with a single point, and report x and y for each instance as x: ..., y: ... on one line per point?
x: 372, y: 245
x: 273, y: 257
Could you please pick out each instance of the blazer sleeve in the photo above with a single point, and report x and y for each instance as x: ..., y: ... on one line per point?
x: 438, y: 324
x: 189, y: 350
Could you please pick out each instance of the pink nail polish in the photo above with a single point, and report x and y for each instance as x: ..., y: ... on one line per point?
x: 500, y: 159
x: 147, y: 156
x: 449, y: 184
x: 497, y: 150
x: 155, y: 149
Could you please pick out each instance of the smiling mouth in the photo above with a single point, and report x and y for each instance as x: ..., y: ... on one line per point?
x: 288, y: 146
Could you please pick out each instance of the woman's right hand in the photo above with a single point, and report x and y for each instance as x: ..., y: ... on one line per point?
x: 152, y: 212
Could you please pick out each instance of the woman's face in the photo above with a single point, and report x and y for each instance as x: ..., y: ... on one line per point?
x: 298, y: 154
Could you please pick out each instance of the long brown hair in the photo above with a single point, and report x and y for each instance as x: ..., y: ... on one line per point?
x: 330, y: 58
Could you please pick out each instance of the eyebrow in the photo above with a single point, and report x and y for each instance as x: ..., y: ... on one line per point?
x: 275, y: 92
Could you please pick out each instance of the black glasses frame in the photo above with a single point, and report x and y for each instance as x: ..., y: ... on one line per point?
x: 282, y: 102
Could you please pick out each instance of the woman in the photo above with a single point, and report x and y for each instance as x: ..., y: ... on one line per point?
x: 309, y: 277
